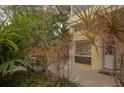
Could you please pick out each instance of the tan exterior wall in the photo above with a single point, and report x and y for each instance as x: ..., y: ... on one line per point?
x: 96, y: 58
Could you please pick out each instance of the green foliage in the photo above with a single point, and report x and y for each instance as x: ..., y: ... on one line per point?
x: 8, y: 67
x: 22, y: 79
x: 5, y: 67
x: 7, y: 47
x: 22, y: 26
x: 9, y: 43
x: 24, y: 63
x: 25, y: 27
x: 31, y: 26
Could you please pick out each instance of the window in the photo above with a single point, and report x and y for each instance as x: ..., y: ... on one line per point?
x: 79, y: 8
x: 83, y: 52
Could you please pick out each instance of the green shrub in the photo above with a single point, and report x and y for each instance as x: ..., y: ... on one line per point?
x: 23, y: 79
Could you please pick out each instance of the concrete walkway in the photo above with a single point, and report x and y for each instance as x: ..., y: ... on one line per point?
x: 85, y: 76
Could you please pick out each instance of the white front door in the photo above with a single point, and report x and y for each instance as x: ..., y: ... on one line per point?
x: 108, y: 61
x: 108, y: 54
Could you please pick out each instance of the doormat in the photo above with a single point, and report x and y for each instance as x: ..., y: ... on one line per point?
x: 105, y: 73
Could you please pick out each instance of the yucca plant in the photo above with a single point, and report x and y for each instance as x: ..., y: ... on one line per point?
x: 89, y: 21
x: 113, y: 26
x: 112, y: 22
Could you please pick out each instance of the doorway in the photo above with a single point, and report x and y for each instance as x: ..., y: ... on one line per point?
x: 109, y: 53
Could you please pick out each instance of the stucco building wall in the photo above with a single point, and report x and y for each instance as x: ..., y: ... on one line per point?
x: 96, y: 58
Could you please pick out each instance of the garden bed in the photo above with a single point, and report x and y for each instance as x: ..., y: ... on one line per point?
x: 24, y: 79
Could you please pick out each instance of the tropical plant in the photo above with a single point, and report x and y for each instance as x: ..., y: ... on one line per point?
x: 14, y: 42
x: 28, y: 27
x: 89, y: 22
x: 8, y: 67
x: 53, y: 31
x: 112, y: 23
x: 113, y: 27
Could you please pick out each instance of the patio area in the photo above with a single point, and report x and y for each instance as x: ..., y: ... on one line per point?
x: 85, y: 76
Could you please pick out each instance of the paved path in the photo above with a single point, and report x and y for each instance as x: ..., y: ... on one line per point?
x: 87, y: 77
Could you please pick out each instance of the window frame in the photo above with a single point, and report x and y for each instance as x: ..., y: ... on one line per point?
x: 83, y: 56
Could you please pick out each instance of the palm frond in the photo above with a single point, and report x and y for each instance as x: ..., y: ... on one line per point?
x: 113, y: 21
x: 3, y: 24
x: 88, y: 19
x: 24, y: 63
x: 8, y: 66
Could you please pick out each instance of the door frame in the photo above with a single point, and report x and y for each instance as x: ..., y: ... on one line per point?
x: 103, y: 65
